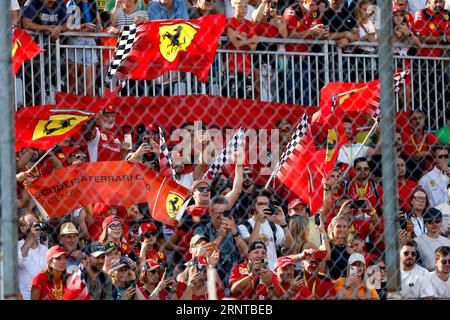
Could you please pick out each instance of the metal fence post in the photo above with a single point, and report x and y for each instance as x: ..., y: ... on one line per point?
x: 8, y: 227
x: 389, y: 174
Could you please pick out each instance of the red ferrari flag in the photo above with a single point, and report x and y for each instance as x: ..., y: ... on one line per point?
x: 151, y: 49
x: 44, y: 126
x: 23, y: 48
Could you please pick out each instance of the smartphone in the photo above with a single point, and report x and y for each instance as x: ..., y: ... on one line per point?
x: 404, y: 223
x: 317, y: 218
x: 353, y: 271
x: 273, y: 4
x: 373, y: 277
x: 273, y: 210
x: 358, y: 204
x: 127, y: 138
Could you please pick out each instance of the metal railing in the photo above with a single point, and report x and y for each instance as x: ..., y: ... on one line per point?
x: 275, y: 74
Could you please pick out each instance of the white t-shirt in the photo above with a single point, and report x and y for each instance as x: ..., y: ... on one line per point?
x: 364, y: 30
x: 93, y: 146
x: 266, y: 235
x: 416, y: 283
x: 435, y: 185
x: 15, y: 5
x: 29, y: 266
x: 349, y: 154
x: 442, y: 288
x: 445, y: 209
x: 426, y: 247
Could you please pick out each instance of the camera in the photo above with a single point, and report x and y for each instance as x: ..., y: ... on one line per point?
x: 358, y: 204
x: 44, y: 227
x: 227, y: 214
x: 273, y: 209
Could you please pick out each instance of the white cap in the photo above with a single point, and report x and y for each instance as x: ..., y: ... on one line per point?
x: 356, y: 257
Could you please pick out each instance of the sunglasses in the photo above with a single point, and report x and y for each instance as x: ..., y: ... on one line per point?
x: 115, y: 226
x: 201, y: 189
x: 442, y: 156
x: 433, y: 221
x: 420, y: 198
x: 410, y: 253
x: 149, y: 234
x: 444, y: 262
x: 383, y: 268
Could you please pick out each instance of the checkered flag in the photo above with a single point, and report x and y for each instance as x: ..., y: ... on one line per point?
x: 300, y: 132
x: 400, y: 79
x: 126, y: 40
x: 165, y: 151
x: 236, y: 143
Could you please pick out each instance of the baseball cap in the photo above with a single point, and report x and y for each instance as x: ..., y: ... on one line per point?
x: 121, y: 263
x: 151, y: 127
x: 55, y: 252
x: 355, y: 257
x: 147, y: 227
x: 316, y: 255
x: 256, y: 245
x: 108, y: 220
x: 110, y: 246
x: 295, y: 202
x: 109, y: 109
x: 283, y: 262
x: 150, y: 264
x: 432, y: 214
x: 67, y: 228
x: 95, y: 249
x: 199, y: 182
x: 196, y: 238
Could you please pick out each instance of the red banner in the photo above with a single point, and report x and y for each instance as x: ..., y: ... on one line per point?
x: 163, y: 45
x: 110, y: 182
x: 23, y: 48
x: 44, y: 126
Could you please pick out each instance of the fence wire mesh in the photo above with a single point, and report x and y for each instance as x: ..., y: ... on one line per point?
x: 117, y: 195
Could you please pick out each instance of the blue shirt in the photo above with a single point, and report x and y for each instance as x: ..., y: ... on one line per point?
x: 156, y: 11
x: 39, y: 13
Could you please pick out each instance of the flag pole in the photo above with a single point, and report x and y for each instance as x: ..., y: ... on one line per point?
x: 41, y: 158
x: 362, y: 144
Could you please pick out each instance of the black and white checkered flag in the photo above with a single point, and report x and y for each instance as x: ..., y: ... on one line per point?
x: 165, y: 151
x: 300, y: 132
x: 236, y: 143
x: 126, y: 40
x: 400, y: 80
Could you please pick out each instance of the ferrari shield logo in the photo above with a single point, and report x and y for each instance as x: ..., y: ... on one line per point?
x: 331, y: 143
x: 174, y: 38
x: 57, y: 125
x: 173, y: 204
x: 16, y: 46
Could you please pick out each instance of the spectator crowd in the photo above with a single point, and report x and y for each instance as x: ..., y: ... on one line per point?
x: 253, y: 243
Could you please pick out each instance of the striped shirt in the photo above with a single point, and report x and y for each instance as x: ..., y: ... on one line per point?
x: 124, y: 19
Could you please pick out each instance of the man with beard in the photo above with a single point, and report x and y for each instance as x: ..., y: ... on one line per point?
x: 440, y: 277
x: 68, y: 239
x: 415, y: 280
x: 308, y: 285
x: 98, y: 282
x: 102, y: 143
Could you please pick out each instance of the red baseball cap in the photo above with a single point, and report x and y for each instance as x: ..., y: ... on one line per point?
x: 317, y: 255
x: 109, y: 109
x: 152, y: 127
x: 150, y: 264
x: 55, y: 252
x: 108, y: 220
x: 283, y: 262
x: 147, y: 227
x: 295, y: 202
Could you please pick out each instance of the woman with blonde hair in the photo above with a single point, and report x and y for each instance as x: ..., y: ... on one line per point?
x: 353, y: 285
x: 338, y: 232
x: 299, y: 227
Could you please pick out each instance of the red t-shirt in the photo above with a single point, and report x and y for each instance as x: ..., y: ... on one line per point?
x: 240, y: 271
x: 49, y: 290
x: 181, y: 287
x: 404, y: 193
x: 413, y: 144
x: 427, y: 23
x: 163, y: 294
x: 298, y: 19
x: 367, y: 191
x: 247, y: 30
x: 108, y: 146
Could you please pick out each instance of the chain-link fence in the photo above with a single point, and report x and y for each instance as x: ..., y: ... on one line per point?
x: 263, y: 182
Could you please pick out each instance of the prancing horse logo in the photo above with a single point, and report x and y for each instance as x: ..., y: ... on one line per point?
x: 57, y: 125
x: 175, y: 38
